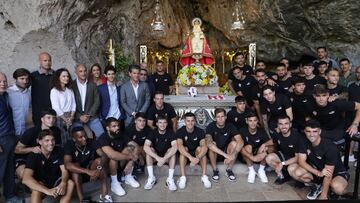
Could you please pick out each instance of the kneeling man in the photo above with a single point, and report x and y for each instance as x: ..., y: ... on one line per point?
x: 45, y: 173
x: 192, y: 146
x: 160, y: 146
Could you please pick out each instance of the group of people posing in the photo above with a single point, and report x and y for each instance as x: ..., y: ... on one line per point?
x: 295, y: 122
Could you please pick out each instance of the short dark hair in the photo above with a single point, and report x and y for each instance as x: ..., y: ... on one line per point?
x: 189, y: 114
x: 144, y: 69
x: 280, y: 65
x: 320, y: 89
x: 160, y: 117
x: 331, y: 69
x: 20, y: 72
x: 251, y: 114
x: 283, y: 116
x: 344, y: 59
x: 321, y: 47
x: 77, y: 129
x: 260, y: 61
x: 284, y: 58
x: 238, y: 54
x: 298, y: 80
x: 260, y: 71
x: 158, y: 92
x: 140, y: 115
x: 44, y: 133
x: 312, y: 124
x: 240, y: 99
x: 55, y: 79
x: 49, y: 111
x: 159, y: 61
x: 109, y: 120
x: 109, y: 68
x: 236, y: 67
x: 219, y: 110
x: 323, y: 63
x: 268, y: 87
x: 133, y: 67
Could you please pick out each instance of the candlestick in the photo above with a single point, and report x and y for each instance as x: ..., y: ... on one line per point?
x: 223, y: 63
x: 176, y: 71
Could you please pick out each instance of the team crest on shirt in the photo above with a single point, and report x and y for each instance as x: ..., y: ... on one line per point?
x: 76, y: 153
x: 134, y: 137
x: 186, y: 137
x: 258, y: 94
x: 308, y: 151
x: 239, y: 85
x: 236, y: 119
x: 315, y: 113
x: 291, y: 99
x: 268, y: 109
x: 42, y: 162
x: 278, y: 141
x: 156, y: 80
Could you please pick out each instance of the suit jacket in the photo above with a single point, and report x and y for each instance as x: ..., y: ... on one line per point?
x: 105, y: 101
x: 129, y: 101
x: 92, y: 100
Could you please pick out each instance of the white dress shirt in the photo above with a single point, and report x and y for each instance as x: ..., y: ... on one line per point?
x: 82, y: 91
x: 19, y: 101
x: 114, y: 110
x: 136, y: 88
x: 62, y: 101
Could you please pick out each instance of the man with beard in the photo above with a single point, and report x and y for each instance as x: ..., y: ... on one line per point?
x: 336, y: 91
x: 286, y: 141
x: 45, y: 173
x: 239, y: 61
x: 242, y: 84
x: 284, y: 79
x: 237, y: 115
x: 121, y: 151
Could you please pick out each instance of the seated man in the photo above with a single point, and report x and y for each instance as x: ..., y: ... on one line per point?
x: 237, y: 115
x: 256, y: 147
x: 45, y: 173
x: 319, y: 164
x: 84, y: 160
x: 286, y: 140
x: 137, y: 132
x: 192, y: 146
x: 225, y: 140
x: 29, y: 141
x: 160, y: 107
x: 119, y: 148
x: 160, y: 146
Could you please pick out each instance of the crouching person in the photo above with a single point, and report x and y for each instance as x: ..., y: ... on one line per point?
x: 45, y: 173
x: 192, y: 146
x: 160, y: 146
x: 121, y: 151
x: 85, y: 161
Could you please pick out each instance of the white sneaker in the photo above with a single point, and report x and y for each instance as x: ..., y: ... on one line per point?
x: 150, y: 182
x: 117, y: 189
x: 182, y: 182
x: 130, y: 180
x: 106, y: 198
x: 171, y: 184
x: 206, y: 181
x: 262, y: 176
x: 251, y: 176
x: 352, y: 158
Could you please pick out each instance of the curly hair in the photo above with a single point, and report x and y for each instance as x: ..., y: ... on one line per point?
x: 55, y: 80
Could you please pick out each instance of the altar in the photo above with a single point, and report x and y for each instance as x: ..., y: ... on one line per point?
x: 201, y: 106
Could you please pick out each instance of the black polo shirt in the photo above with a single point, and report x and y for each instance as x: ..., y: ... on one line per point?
x: 221, y: 136
x: 152, y: 113
x: 326, y: 153
x: 247, y: 70
x: 276, y: 109
x: 301, y: 108
x: 161, y: 142
x: 162, y: 82
x: 117, y: 143
x: 284, y: 85
x: 288, y: 145
x: 190, y: 140
x: 310, y: 84
x: 257, y: 92
x: 339, y: 89
x: 236, y: 118
x: 245, y: 86
x: 82, y: 155
x: 330, y: 116
x: 137, y: 136
x: 46, y: 170
x: 354, y: 92
x: 255, y: 140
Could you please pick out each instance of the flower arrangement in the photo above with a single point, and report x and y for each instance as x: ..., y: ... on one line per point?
x: 225, y: 90
x: 197, y: 75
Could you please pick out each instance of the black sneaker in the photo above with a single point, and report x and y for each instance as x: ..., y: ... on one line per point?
x: 216, y: 176
x: 333, y: 196
x: 230, y: 174
x: 315, y: 192
x: 280, y: 181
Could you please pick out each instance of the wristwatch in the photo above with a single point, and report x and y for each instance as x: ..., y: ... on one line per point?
x: 283, y: 163
x: 99, y: 168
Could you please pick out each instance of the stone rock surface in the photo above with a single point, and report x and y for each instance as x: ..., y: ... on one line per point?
x: 76, y: 31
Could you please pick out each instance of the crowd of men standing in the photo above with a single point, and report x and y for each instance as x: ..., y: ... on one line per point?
x: 84, y: 129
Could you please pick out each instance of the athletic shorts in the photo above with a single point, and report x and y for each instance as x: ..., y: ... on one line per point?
x: 282, y: 156
x: 343, y: 174
x: 19, y: 162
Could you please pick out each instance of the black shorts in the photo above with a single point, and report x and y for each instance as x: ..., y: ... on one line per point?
x: 53, y: 182
x: 255, y: 150
x: 282, y: 156
x: 343, y: 174
x: 192, y: 152
x: 19, y: 162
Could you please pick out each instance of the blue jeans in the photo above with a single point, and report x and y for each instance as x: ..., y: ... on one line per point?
x: 7, y: 165
x: 94, y: 124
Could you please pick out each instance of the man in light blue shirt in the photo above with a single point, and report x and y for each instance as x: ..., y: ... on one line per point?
x: 19, y: 99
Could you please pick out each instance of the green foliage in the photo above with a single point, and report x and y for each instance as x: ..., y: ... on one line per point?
x: 121, y: 61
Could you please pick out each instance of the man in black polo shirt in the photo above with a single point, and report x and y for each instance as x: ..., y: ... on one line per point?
x: 29, y: 140
x: 286, y: 141
x: 121, y: 151
x: 336, y: 91
x: 311, y: 80
x: 256, y: 147
x: 329, y: 114
x: 40, y: 90
x: 160, y: 107
x: 284, y: 79
x: 239, y: 61
x: 242, y: 84
x: 161, y: 147
x: 237, y: 114
x: 138, y: 132
x: 223, y: 139
x: 85, y: 160
x: 192, y: 146
x: 162, y: 80
x: 354, y: 95
x: 319, y: 164
x: 45, y: 173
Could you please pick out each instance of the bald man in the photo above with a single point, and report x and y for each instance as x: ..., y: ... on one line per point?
x: 40, y: 90
x: 7, y: 143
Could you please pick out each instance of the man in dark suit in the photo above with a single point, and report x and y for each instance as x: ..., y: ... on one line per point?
x: 109, y: 93
x: 134, y: 95
x: 87, y: 101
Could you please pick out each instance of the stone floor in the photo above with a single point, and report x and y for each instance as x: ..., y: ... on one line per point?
x: 223, y: 191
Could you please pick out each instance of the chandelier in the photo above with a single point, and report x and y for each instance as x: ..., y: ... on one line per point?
x: 238, y: 23
x: 158, y: 28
